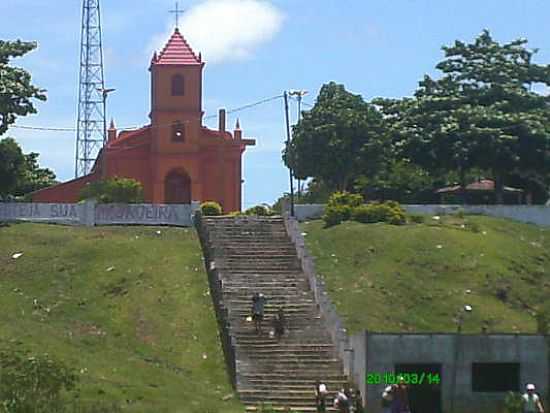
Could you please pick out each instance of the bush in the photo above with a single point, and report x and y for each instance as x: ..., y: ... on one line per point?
x: 114, y: 190
x: 345, y: 199
x: 336, y: 214
x: 32, y: 383
x: 211, y: 209
x: 417, y: 219
x: 396, y: 217
x: 259, y: 210
x: 366, y: 214
x: 390, y: 212
x: 513, y: 402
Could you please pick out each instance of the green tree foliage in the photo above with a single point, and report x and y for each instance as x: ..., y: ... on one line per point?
x: 21, y: 174
x: 480, y: 113
x: 399, y: 180
x: 12, y: 166
x: 114, y: 190
x: 33, y: 383
x: 34, y: 177
x: 339, y: 138
x: 16, y: 90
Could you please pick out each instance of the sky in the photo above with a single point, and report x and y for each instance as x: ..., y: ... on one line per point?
x: 254, y: 49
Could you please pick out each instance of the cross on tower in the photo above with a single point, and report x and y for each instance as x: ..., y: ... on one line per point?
x: 177, y: 12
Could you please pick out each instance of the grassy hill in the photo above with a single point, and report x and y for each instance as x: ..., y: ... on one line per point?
x: 128, y: 307
x: 415, y: 277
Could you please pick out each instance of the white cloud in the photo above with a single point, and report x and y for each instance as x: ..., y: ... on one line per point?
x: 225, y: 30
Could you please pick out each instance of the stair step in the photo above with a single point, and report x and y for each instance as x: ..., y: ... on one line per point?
x: 255, y: 254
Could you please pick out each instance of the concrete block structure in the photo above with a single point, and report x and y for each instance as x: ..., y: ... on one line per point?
x: 460, y: 372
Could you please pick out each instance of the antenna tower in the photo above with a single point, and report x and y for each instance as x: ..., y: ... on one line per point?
x: 90, y: 136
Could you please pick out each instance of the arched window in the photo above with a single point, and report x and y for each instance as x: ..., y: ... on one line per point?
x: 178, y: 132
x: 178, y: 85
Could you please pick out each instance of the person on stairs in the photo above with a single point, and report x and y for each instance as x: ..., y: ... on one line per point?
x: 357, y: 402
x: 279, y: 323
x: 400, y: 402
x: 321, y: 397
x: 387, y: 399
x: 341, y: 402
x: 258, y: 304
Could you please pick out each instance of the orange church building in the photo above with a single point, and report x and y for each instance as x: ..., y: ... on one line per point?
x: 176, y: 158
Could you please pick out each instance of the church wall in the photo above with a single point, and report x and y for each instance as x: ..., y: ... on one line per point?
x: 131, y: 163
x: 67, y: 192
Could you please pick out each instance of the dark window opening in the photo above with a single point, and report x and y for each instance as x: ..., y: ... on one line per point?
x: 424, y: 391
x: 495, y: 377
x: 178, y: 85
x: 178, y: 132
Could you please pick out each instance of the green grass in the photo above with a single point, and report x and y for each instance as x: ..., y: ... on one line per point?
x: 395, y: 278
x: 127, y: 307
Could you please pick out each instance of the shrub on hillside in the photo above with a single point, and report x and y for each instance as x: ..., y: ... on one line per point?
x: 211, y: 208
x: 259, y: 210
x: 30, y: 382
x: 336, y: 214
x: 390, y: 212
x: 345, y: 199
x: 366, y: 214
x: 113, y: 190
x: 340, y: 206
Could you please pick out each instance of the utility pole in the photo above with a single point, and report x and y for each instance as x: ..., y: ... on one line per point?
x: 299, y: 94
x: 287, y: 151
x: 90, y: 136
x: 105, y: 93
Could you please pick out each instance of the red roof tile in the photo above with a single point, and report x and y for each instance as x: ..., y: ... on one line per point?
x: 481, y: 185
x: 177, y: 52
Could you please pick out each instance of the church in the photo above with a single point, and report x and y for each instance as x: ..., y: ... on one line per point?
x: 175, y: 157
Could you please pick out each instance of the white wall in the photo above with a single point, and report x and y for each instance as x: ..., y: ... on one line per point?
x: 89, y: 213
x: 535, y: 214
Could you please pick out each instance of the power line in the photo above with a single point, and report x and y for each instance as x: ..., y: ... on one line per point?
x: 129, y: 128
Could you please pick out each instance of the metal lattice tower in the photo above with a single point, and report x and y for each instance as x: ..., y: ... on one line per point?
x: 91, y: 109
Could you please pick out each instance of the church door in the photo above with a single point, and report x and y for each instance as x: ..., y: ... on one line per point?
x: 177, y: 188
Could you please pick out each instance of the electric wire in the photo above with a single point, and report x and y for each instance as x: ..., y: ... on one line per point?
x: 133, y: 128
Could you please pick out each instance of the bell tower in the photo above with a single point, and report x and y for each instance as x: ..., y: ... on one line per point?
x: 176, y: 96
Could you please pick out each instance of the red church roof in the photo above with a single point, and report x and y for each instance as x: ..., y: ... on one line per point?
x: 177, y: 52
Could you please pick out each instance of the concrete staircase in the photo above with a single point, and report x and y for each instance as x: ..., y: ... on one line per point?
x: 255, y: 254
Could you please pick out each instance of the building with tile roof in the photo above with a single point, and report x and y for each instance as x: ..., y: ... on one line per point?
x: 175, y: 157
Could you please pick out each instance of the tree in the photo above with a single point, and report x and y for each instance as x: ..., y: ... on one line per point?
x: 12, y: 166
x: 20, y: 174
x: 114, y: 190
x: 398, y: 180
x: 481, y: 113
x: 338, y: 139
x: 16, y: 90
x: 34, y: 177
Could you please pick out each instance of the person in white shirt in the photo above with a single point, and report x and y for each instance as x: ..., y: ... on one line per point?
x: 531, y: 400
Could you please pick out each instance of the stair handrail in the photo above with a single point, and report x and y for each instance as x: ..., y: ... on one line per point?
x: 332, y: 320
x: 215, y: 281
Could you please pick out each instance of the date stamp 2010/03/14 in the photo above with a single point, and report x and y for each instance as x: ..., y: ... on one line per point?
x: 409, y: 378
